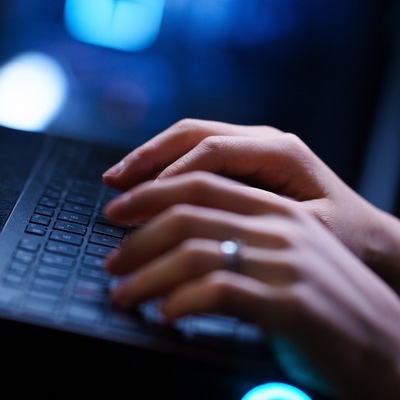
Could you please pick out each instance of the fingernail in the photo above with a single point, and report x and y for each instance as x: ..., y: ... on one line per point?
x: 116, y: 169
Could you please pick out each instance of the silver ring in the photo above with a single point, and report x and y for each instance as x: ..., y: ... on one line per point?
x: 231, y: 251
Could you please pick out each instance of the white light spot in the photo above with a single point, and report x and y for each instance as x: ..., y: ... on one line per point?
x: 33, y: 88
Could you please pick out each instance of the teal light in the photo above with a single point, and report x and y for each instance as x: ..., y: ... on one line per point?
x: 275, y: 391
x: 129, y: 25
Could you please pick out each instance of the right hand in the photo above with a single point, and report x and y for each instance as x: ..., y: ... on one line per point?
x: 334, y: 321
x: 280, y: 162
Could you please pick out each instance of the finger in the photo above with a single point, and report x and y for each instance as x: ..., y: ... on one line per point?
x: 196, y: 188
x: 280, y: 163
x: 241, y: 157
x: 195, y: 258
x: 225, y: 293
x: 182, y: 223
x: 154, y: 156
x: 191, y: 259
x: 169, y: 230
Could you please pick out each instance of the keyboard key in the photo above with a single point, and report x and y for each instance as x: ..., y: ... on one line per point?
x: 58, y: 260
x: 95, y: 274
x: 36, y: 229
x: 48, y: 285
x: 48, y: 202
x: 18, y: 268
x: 58, y: 274
x: 71, y: 217
x: 98, y: 250
x: 9, y: 296
x: 102, y: 219
x: 15, y: 280
x: 70, y: 227
x: 83, y: 200
x: 104, y: 240
x: 40, y: 219
x: 39, y: 303
x: 51, y: 296
x: 85, y: 312
x: 77, y: 208
x: 94, y: 262
x: 29, y: 245
x: 89, y: 290
x: 249, y: 333
x: 62, y: 248
x: 44, y: 211
x: 66, y: 237
x: 212, y: 328
x: 23, y: 256
x: 109, y: 230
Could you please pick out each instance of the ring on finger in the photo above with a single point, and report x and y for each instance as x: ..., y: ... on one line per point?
x: 231, y: 252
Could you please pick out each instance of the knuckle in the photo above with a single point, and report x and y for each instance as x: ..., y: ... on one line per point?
x: 220, y: 290
x: 294, y: 143
x: 191, y: 254
x: 179, y: 218
x: 191, y: 250
x: 199, y: 183
x: 213, y: 143
x: 186, y: 125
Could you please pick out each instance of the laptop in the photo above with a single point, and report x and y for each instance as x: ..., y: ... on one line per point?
x: 54, y: 289
x: 56, y: 318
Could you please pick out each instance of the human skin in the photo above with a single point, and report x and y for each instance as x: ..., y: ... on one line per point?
x: 296, y: 279
x: 275, y: 161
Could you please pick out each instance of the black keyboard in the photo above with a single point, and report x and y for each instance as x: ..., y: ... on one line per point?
x: 65, y: 273
x: 56, y: 273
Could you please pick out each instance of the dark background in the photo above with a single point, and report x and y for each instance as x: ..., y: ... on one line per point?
x: 310, y: 67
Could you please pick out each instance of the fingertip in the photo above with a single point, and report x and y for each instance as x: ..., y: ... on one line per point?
x: 114, y: 170
x: 119, y: 296
x: 117, y: 206
x: 109, y: 181
x: 164, y: 311
x: 112, y: 260
x: 168, y: 311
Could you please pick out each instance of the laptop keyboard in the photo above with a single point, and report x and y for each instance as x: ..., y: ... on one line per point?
x: 55, y: 272
x: 64, y: 274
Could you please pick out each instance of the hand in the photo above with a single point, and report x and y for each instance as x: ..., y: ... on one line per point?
x: 295, y: 279
x: 272, y: 160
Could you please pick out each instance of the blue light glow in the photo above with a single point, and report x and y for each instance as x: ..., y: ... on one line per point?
x: 275, y: 391
x: 129, y: 25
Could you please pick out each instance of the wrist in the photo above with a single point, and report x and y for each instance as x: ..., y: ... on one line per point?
x: 382, y: 250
